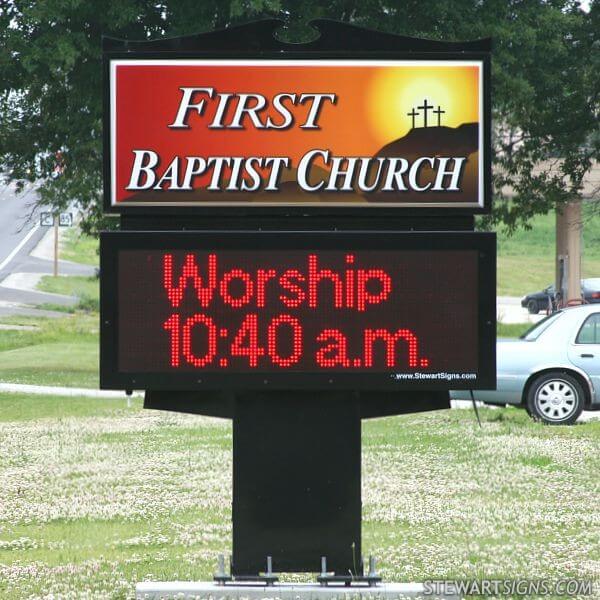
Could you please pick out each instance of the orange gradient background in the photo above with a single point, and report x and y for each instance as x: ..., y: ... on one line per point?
x: 371, y: 110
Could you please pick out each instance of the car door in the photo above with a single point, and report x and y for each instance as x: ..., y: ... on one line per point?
x: 584, y: 352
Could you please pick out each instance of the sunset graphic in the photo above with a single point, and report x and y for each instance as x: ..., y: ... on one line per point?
x: 455, y: 89
x: 381, y: 108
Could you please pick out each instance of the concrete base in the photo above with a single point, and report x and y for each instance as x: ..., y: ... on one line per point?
x: 188, y: 590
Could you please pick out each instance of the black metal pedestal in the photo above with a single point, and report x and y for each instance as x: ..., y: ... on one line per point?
x: 297, y: 474
x: 296, y: 482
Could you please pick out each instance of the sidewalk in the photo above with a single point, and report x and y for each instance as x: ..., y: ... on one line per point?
x: 51, y: 390
x: 9, y: 309
x: 22, y: 288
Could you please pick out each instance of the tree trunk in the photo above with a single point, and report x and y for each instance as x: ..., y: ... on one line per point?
x: 569, y: 228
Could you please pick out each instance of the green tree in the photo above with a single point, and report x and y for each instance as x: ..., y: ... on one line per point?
x: 545, y: 81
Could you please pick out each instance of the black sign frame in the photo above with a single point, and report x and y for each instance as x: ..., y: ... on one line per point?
x: 112, y: 242
x: 257, y: 41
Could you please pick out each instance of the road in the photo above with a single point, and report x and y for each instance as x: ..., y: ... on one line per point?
x: 20, y: 233
x: 18, y: 236
x: 509, y: 310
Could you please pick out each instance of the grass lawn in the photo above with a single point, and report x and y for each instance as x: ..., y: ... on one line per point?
x: 70, y: 285
x: 511, y: 330
x: 97, y: 496
x: 526, y: 259
x: 78, y: 247
x: 87, y: 289
x: 60, y: 351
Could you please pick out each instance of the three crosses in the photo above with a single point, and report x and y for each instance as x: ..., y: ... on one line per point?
x: 425, y: 107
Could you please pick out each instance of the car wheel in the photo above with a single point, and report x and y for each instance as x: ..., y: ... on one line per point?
x: 532, y: 307
x: 555, y: 399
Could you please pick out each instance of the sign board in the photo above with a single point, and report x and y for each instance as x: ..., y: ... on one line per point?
x: 293, y: 310
x: 46, y: 219
x: 358, y: 134
x: 65, y: 219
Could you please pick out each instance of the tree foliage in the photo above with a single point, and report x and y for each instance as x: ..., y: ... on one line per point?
x: 545, y: 81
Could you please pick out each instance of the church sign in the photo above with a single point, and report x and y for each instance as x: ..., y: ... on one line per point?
x: 296, y: 251
x: 325, y: 134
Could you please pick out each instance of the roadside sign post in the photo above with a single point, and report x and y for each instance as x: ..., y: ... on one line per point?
x: 55, y: 269
x: 49, y: 219
x: 297, y: 253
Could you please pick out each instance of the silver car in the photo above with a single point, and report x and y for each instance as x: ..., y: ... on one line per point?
x: 553, y: 370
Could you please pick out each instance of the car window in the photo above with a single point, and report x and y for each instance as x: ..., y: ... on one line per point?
x: 534, y: 332
x: 592, y: 285
x: 590, y: 330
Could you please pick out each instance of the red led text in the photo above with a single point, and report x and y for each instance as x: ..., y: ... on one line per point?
x: 310, y: 285
x: 274, y: 318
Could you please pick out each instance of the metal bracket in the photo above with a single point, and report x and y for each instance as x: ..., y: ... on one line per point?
x: 268, y: 578
x: 371, y: 578
x: 221, y: 577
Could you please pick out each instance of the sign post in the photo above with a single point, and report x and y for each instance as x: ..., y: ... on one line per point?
x: 55, y: 269
x: 48, y: 219
x: 297, y: 253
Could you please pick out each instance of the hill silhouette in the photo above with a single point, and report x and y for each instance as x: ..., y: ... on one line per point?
x: 435, y: 141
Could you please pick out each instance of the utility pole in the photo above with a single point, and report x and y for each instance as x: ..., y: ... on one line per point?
x: 55, y: 245
x: 569, y: 228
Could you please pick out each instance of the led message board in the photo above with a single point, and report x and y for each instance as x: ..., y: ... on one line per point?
x: 346, y: 133
x: 293, y: 310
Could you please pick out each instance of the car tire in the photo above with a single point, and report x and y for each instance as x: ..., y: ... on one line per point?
x: 533, y: 307
x: 555, y: 398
